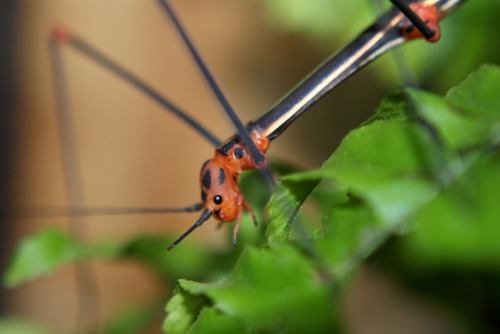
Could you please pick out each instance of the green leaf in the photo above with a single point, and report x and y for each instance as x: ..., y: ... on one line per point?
x: 393, y: 177
x: 268, y: 289
x: 43, y: 252
x: 389, y: 170
x: 479, y: 92
x: 463, y: 120
x: 289, y: 195
x: 212, y: 321
x: 349, y: 234
x: 182, y: 310
x: 40, y: 254
x: 460, y: 227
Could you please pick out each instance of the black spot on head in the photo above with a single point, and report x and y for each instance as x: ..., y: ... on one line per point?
x: 409, y: 29
x: 217, y: 212
x: 203, y: 196
x: 217, y: 199
x: 207, y: 179
x: 222, y: 176
x: 239, y: 153
x: 228, y: 145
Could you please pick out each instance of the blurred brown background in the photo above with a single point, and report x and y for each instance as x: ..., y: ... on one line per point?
x: 131, y: 152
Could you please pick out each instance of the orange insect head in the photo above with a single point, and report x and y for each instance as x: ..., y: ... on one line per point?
x: 219, y: 190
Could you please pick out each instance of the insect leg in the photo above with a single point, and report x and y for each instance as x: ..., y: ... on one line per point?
x: 63, y: 36
x: 85, y: 276
x: 258, y: 157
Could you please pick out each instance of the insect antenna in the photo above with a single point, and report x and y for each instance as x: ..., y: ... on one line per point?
x: 205, y: 215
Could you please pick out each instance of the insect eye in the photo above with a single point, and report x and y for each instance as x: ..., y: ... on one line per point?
x: 217, y: 199
x: 239, y: 153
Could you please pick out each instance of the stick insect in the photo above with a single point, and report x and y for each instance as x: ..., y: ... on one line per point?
x: 221, y: 197
x: 272, y: 125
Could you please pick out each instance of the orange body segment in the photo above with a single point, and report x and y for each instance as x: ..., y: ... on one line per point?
x: 430, y: 15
